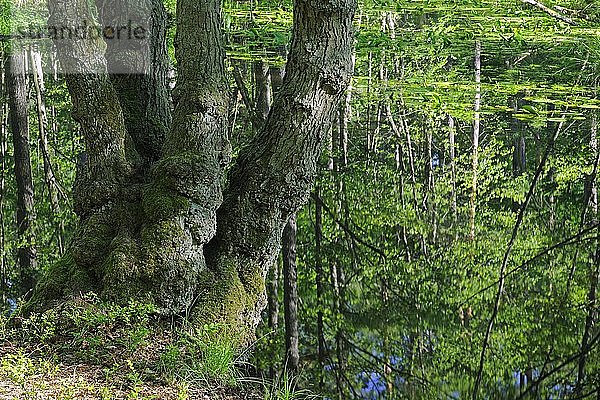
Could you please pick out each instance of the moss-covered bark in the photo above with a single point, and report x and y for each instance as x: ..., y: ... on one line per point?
x: 170, y: 231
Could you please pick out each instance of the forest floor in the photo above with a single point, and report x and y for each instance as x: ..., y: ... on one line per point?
x: 31, y: 374
x: 88, y: 349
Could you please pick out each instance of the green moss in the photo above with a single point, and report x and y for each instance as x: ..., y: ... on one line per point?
x: 63, y: 279
x: 253, y: 282
x: 185, y: 172
x: 123, y: 274
x: 92, y: 239
x: 224, y: 300
x: 161, y: 204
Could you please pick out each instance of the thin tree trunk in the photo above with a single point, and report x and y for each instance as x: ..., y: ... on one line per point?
x: 452, y: 136
x: 4, y: 284
x: 369, y: 105
x: 430, y: 187
x: 402, y: 170
x: 262, y: 88
x: 387, y: 352
x: 49, y: 178
x: 337, y: 268
x: 273, y: 300
x: 262, y: 106
x: 411, y: 159
x: 476, y: 129
x: 519, y: 162
x: 290, y: 279
x: 594, y: 270
x: 319, y: 276
x: 19, y: 123
x: 270, y: 81
x: 505, y: 259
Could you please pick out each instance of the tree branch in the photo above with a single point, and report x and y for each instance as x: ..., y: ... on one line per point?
x: 549, y: 11
x: 507, y: 253
x: 346, y: 228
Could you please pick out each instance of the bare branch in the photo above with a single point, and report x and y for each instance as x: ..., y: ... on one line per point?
x: 549, y: 11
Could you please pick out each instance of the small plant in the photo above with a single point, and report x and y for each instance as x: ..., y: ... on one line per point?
x: 285, y: 388
x: 169, y: 361
x: 207, y: 355
x: 182, y: 391
x: 25, y: 372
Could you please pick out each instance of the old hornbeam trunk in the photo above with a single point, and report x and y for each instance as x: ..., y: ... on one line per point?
x: 140, y: 74
x: 167, y: 225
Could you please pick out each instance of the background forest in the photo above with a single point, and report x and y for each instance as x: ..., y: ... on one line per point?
x: 451, y: 242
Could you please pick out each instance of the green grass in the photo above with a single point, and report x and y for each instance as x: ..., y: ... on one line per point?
x: 126, y: 350
x: 203, y: 356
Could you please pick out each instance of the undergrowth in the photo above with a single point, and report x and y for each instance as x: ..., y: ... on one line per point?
x: 129, y: 348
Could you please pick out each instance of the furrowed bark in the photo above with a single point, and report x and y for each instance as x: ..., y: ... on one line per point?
x: 186, y: 190
x: 95, y: 107
x: 103, y: 171
x: 139, y: 239
x: 139, y: 71
x: 273, y: 175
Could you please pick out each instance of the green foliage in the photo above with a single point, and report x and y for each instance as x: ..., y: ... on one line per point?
x: 204, y: 356
x: 284, y: 387
x: 407, y: 295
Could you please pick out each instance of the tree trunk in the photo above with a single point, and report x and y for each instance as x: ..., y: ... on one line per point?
x: 4, y: 284
x: 454, y: 203
x: 19, y: 124
x: 49, y: 177
x: 273, y: 175
x: 290, y: 279
x: 594, y: 270
x: 319, y: 277
x: 140, y: 74
x: 476, y: 129
x: 519, y: 161
x: 268, y: 81
x: 262, y: 88
x: 180, y: 233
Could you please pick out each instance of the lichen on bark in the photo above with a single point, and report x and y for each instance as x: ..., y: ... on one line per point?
x: 170, y: 227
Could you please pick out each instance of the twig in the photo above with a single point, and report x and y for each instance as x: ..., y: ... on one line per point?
x: 346, y: 228
x: 549, y: 11
x: 509, y: 248
x: 568, y: 241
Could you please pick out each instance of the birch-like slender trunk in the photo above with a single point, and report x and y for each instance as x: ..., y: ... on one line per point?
x: 319, y: 276
x: 452, y: 139
x: 4, y: 284
x: 476, y: 131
